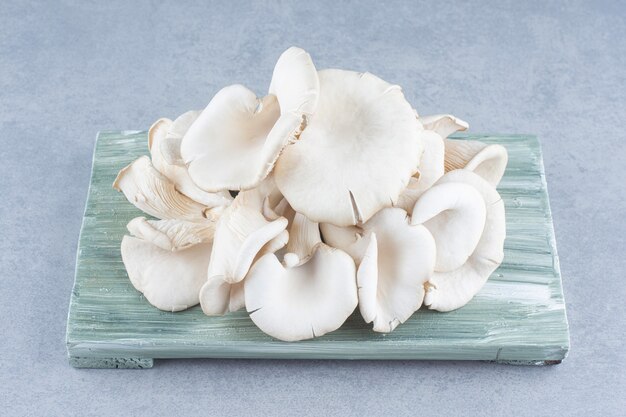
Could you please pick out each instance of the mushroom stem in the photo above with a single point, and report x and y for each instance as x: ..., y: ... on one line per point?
x: 171, y: 235
x: 304, y: 236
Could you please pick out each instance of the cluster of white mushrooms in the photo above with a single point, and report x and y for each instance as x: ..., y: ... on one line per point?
x: 328, y: 193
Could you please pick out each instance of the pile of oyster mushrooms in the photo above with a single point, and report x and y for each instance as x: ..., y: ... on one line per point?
x: 328, y: 193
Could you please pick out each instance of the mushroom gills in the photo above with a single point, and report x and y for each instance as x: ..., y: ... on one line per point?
x: 170, y: 281
x: 172, y: 235
x: 155, y: 194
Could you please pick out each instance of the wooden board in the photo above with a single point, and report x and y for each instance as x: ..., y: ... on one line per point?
x: 518, y: 317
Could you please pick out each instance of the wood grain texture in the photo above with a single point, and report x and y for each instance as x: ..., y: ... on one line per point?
x: 518, y: 317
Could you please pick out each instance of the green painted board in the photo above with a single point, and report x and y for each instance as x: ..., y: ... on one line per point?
x: 518, y: 317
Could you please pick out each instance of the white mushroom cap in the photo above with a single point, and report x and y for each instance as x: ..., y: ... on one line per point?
x: 301, y: 302
x: 443, y: 124
x: 295, y: 82
x: 453, y: 289
x: 237, y: 138
x: 302, y: 299
x: 488, y: 161
x: 164, y: 139
x: 153, y: 193
x: 398, y: 260
x: 394, y: 259
x: 169, y: 280
x: 454, y: 213
x: 356, y: 153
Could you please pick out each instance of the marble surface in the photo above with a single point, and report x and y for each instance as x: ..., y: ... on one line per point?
x: 68, y: 70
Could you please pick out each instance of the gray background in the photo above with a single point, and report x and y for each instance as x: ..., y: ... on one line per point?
x: 68, y: 70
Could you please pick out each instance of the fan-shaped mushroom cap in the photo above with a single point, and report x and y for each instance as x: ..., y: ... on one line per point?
x: 394, y: 260
x: 153, y: 193
x: 164, y: 140
x: 172, y: 235
x: 453, y: 289
x: 295, y: 82
x: 488, y: 161
x: 301, y: 302
x: 399, y: 259
x: 304, y: 297
x: 454, y: 213
x: 356, y: 153
x: 237, y: 138
x: 169, y: 280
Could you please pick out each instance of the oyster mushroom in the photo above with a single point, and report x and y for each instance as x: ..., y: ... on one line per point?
x: 164, y: 142
x: 242, y: 232
x: 356, y: 153
x: 394, y: 258
x: 452, y: 289
x: 169, y: 280
x: 237, y: 138
x: 295, y: 82
x: 454, y: 213
x: 488, y: 161
x: 170, y: 146
x: 218, y: 297
x: 153, y: 193
x: 431, y: 167
x: 312, y: 292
